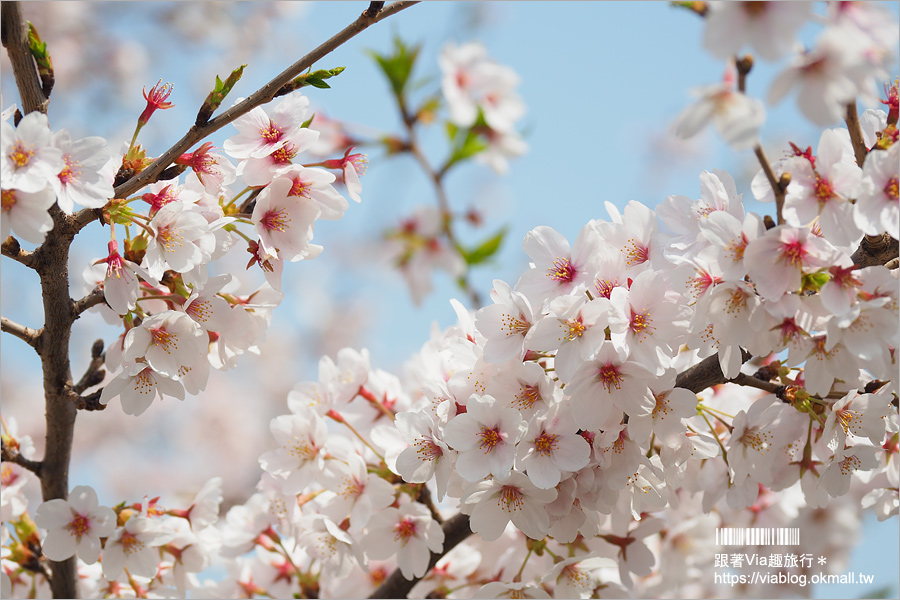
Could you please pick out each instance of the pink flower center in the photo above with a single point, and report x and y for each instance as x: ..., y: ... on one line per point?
x: 271, y: 133
x: 848, y: 419
x: 426, y: 449
x: 7, y: 200
x: 164, y: 339
x: 576, y: 329
x: 284, y: 155
x: 662, y: 407
x: 605, y: 287
x: 641, y: 322
x: 528, y: 395
x: 635, y: 252
x: 20, y: 155
x: 71, y: 172
x: 514, y: 325
x: 760, y: 441
x: 8, y: 475
x: 609, y: 376
x: 511, y: 498
x: 891, y: 189
x: 79, y: 525
x: 144, y: 383
x: 824, y: 190
x: 300, y: 188
x: 793, y: 253
x: 200, y: 310
x: 490, y: 437
x: 849, y: 465
x: 404, y: 530
x: 130, y: 543
x: 561, y: 271
x: 546, y: 443
x: 277, y: 220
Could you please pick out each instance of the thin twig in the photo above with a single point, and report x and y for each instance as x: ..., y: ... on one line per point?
x: 437, y: 181
x: 856, y: 137
x: 94, y: 373
x: 750, y: 381
x: 26, y: 334
x: 11, y: 249
x: 94, y: 298
x: 15, y: 40
x: 777, y: 187
x: 10, y: 455
x: 257, y: 98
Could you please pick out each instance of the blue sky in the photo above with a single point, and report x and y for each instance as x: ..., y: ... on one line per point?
x: 602, y: 81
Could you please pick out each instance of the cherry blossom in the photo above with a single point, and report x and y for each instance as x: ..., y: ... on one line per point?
x: 495, y: 502
x: 736, y: 117
x: 88, y: 174
x: 407, y: 531
x: 260, y: 134
x: 768, y: 28
x: 28, y: 159
x: 75, y: 525
x: 285, y: 222
x: 485, y: 436
x: 25, y: 213
x: 877, y: 208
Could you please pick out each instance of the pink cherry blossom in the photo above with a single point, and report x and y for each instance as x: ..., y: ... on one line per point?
x: 408, y: 532
x: 75, y: 526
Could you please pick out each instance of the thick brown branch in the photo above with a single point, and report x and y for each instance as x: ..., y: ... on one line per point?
x: 258, y: 98
x: 875, y: 250
x: 12, y: 250
x: 94, y: 374
x: 15, y: 40
x: 856, y: 137
x: 705, y: 373
x: 13, y: 456
x: 455, y: 530
x: 26, y: 334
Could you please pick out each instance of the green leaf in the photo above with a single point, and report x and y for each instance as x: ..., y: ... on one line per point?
x: 217, y: 95
x: 398, y: 66
x: 470, y: 145
x: 485, y: 250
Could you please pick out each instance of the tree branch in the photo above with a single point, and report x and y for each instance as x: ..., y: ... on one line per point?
x: 856, y: 137
x: 14, y: 36
x: 257, y: 98
x: 94, y: 374
x: 876, y: 250
x: 26, y: 334
x: 11, y: 249
x: 455, y: 530
x: 12, y: 455
x: 778, y: 185
x: 94, y: 298
x: 705, y: 373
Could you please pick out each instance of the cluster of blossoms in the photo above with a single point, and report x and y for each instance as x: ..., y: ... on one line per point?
x: 147, y: 550
x: 851, y: 54
x: 178, y: 318
x: 570, y: 422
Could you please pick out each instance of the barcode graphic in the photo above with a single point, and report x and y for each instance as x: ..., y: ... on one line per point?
x: 757, y: 536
